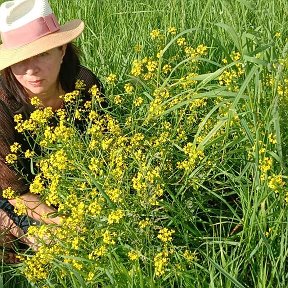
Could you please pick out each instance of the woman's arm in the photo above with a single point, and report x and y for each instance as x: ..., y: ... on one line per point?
x: 36, y: 209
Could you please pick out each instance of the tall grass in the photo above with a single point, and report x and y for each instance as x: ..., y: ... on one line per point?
x: 237, y: 222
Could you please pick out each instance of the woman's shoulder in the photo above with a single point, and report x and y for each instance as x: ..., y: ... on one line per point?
x: 4, y: 101
x: 7, y: 102
x: 90, y: 79
x: 3, y: 94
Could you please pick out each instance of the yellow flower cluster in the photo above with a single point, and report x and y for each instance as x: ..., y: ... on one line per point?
x: 72, y: 96
x: 8, y: 193
x: 111, y: 79
x: 194, y: 154
x: 165, y: 235
x: 190, y: 256
x: 115, y: 216
x: 15, y: 147
x: 20, y: 208
x: 160, y: 262
x: 145, y: 68
x: 155, y: 34
x: 38, y: 119
x: 35, y: 101
x: 11, y: 158
x: 133, y: 255
x: 276, y: 183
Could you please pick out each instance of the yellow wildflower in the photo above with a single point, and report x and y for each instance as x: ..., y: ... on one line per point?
x: 8, y: 193
x: 277, y: 34
x: 136, y: 69
x: 172, y: 30
x: 138, y: 48
x: 35, y: 101
x: 71, y: 97
x: 151, y: 65
x: 128, y: 87
x: 155, y: 33
x: 111, y: 79
x: 118, y: 99
x: 190, y: 256
x: 115, y: 216
x: 167, y: 68
x: 271, y: 137
x: 11, y: 158
x: 144, y: 223
x: 80, y: 85
x: 235, y: 56
x: 94, y: 90
x: 276, y: 183
x: 138, y: 101
x: 133, y: 255
x: 181, y: 41
x: 165, y: 235
x: 265, y: 164
x: 20, y: 207
x: 108, y: 237
x: 29, y: 154
x: 160, y: 263
x: 14, y: 148
x: 37, y: 186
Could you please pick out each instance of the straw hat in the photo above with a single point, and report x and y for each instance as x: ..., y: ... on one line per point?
x: 29, y: 27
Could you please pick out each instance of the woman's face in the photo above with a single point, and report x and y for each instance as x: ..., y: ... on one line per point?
x: 39, y: 74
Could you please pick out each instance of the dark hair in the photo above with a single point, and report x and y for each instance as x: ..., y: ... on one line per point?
x: 70, y: 68
x: 67, y: 76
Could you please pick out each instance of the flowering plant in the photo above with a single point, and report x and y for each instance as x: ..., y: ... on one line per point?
x: 137, y: 184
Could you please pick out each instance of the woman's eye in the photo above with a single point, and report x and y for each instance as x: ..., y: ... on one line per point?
x: 43, y: 54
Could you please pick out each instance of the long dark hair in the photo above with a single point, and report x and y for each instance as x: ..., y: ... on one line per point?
x: 67, y: 76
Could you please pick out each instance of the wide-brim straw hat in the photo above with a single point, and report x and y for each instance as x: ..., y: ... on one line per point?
x: 29, y: 28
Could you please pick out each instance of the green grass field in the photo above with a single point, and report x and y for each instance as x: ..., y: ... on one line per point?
x: 183, y: 182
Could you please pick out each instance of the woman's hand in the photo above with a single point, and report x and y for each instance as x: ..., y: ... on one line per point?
x: 9, y: 232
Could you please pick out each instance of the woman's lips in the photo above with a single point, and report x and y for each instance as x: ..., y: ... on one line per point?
x: 36, y: 83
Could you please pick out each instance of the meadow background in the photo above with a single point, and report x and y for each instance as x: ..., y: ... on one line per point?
x: 221, y: 164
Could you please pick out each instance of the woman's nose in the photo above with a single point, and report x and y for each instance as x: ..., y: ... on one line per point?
x: 31, y: 66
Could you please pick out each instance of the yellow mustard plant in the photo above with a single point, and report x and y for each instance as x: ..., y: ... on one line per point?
x: 108, y: 237
x: 155, y: 34
x: 172, y: 30
x: 29, y: 153
x: 118, y: 99
x: 276, y: 182
x: 111, y: 78
x: 133, y: 255
x: 80, y: 85
x: 161, y: 261
x: 144, y: 223
x: 20, y: 207
x: 181, y: 41
x: 115, y: 216
x: 165, y: 235
x: 11, y: 158
x: 35, y: 101
x: 128, y: 87
x: 15, y: 147
x: 8, y: 193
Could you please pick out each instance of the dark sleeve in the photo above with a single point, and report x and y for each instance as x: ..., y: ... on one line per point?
x: 8, y: 176
x: 90, y: 79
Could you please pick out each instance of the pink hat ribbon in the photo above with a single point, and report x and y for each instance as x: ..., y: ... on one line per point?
x: 30, y: 31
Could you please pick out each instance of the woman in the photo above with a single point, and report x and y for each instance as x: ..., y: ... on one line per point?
x: 37, y: 58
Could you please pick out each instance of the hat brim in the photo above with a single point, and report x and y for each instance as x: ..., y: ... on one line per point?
x: 64, y: 35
